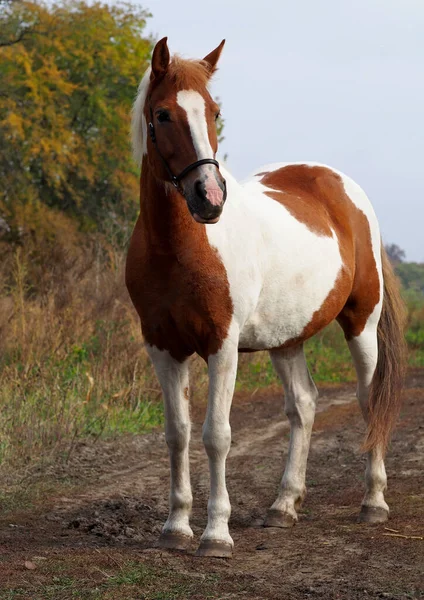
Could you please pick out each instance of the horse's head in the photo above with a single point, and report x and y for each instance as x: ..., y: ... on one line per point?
x: 174, y: 123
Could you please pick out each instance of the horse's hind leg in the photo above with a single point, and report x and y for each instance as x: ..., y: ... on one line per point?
x: 364, y: 350
x: 300, y: 398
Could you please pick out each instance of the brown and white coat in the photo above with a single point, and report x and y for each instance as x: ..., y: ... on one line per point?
x: 296, y: 247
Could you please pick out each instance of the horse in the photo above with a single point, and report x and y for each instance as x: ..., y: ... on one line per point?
x: 296, y: 247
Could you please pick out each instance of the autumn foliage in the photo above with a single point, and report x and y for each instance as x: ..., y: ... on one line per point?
x: 69, y: 73
x: 70, y: 344
x: 71, y: 357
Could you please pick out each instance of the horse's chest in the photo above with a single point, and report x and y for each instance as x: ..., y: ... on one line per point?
x: 185, y: 306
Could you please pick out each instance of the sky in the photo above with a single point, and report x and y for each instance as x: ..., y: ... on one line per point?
x: 331, y: 81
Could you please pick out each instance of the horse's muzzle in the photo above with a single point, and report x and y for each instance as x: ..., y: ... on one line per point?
x: 208, y: 199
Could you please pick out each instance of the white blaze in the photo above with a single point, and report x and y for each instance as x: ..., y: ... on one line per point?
x: 195, y: 107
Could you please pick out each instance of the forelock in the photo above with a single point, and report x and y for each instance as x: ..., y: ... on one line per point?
x: 188, y: 74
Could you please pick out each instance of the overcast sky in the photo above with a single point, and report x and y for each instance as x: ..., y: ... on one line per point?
x: 334, y: 81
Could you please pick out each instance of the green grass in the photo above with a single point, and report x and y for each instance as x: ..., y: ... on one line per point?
x: 49, y: 400
x: 132, y: 580
x: 415, y: 331
x: 328, y: 356
x: 51, y: 409
x: 49, y: 403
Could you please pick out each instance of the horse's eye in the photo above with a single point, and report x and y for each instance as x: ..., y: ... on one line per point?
x: 163, y: 116
x: 218, y: 114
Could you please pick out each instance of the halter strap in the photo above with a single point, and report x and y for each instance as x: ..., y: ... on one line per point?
x: 175, y: 179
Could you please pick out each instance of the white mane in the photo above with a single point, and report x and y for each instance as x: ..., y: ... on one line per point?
x: 138, y: 120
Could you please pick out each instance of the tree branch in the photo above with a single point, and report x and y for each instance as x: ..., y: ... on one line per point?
x: 15, y: 41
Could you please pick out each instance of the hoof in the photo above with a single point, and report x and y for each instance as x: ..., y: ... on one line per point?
x: 215, y: 549
x: 277, y: 518
x: 174, y: 540
x: 373, y: 514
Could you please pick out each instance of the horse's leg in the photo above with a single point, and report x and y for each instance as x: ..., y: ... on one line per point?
x: 216, y: 539
x: 364, y: 350
x: 300, y: 398
x: 173, y: 378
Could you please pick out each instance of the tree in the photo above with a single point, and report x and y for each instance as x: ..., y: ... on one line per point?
x: 68, y: 75
x: 13, y: 30
x: 395, y: 254
x: 411, y: 276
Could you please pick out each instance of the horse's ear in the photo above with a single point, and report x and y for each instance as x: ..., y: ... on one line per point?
x: 212, y: 58
x: 160, y: 58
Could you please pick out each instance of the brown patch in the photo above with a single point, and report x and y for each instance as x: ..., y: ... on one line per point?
x: 176, y: 281
x: 186, y: 394
x: 316, y: 197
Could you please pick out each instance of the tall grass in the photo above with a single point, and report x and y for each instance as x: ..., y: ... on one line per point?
x: 71, y: 358
x: 415, y: 326
x: 72, y: 364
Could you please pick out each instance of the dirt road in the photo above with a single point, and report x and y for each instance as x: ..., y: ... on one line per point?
x: 97, y: 539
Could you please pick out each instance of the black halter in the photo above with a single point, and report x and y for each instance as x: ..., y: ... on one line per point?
x: 175, y: 179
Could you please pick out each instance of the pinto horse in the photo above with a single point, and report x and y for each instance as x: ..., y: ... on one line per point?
x: 297, y: 246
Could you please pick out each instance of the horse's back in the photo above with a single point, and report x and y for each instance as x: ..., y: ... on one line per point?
x: 317, y: 195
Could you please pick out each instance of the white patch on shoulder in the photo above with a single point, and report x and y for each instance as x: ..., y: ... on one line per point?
x: 280, y: 272
x: 194, y: 105
x: 138, y: 120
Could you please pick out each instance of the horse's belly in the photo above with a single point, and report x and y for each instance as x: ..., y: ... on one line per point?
x: 265, y: 330
x: 295, y: 300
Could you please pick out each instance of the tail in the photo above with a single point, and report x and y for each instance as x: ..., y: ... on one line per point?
x: 386, y: 385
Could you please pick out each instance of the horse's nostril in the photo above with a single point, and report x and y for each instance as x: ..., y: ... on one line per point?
x: 198, y: 186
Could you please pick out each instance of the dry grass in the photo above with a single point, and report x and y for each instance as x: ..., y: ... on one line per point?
x: 72, y: 364
x: 71, y: 357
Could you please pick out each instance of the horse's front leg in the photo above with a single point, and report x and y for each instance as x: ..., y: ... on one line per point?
x: 173, y: 378
x: 216, y: 539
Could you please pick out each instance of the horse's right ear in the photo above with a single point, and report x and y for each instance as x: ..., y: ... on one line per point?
x: 160, y: 59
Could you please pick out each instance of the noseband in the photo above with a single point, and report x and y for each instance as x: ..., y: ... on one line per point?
x: 175, y: 179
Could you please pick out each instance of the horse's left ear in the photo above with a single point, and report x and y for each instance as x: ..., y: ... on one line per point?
x: 212, y: 58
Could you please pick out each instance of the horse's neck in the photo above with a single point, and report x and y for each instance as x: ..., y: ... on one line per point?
x: 168, y: 226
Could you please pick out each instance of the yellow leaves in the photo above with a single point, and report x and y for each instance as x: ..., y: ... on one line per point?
x: 15, y: 124
x: 127, y: 182
x: 66, y: 95
x: 44, y: 222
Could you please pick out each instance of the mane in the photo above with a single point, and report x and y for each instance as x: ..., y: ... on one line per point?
x: 184, y: 74
x: 138, y: 120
